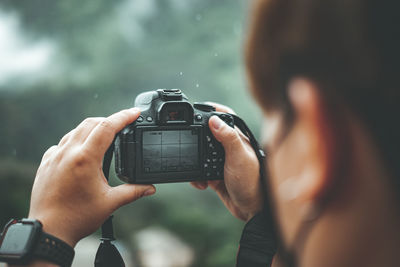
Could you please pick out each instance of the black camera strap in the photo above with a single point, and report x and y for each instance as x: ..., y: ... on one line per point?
x: 107, y: 254
x: 258, y: 243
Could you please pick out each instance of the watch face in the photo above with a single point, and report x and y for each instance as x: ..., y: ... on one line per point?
x: 17, y: 239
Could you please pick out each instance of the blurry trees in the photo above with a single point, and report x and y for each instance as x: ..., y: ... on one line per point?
x: 106, y: 53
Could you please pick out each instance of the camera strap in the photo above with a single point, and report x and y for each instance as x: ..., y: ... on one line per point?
x: 107, y: 254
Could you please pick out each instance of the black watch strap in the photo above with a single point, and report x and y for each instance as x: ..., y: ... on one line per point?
x: 54, y: 250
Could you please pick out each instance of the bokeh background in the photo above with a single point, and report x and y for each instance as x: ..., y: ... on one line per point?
x: 63, y: 61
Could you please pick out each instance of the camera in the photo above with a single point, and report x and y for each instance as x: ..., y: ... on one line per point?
x: 170, y: 141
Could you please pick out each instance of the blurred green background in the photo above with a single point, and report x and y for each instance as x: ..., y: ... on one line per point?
x: 63, y: 61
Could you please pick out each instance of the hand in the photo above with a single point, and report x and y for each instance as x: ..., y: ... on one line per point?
x: 240, y: 190
x: 70, y: 195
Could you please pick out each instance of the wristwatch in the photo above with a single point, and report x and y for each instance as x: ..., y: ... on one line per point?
x: 24, y: 240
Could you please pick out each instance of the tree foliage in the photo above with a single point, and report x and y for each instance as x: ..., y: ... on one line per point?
x: 106, y: 53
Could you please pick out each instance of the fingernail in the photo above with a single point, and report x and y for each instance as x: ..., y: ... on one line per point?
x: 149, y: 192
x: 216, y: 122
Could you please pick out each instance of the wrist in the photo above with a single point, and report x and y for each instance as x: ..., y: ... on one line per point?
x: 57, y: 229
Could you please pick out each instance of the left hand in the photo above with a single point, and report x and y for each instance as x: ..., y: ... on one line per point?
x: 70, y: 195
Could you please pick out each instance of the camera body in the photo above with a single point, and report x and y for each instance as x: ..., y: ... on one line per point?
x: 170, y: 141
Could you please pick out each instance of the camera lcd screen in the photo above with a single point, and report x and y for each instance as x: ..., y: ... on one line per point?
x: 16, y: 239
x: 170, y: 151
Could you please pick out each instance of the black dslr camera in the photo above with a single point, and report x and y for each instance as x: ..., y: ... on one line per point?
x: 170, y: 141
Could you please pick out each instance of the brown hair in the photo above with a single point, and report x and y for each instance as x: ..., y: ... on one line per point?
x: 350, y: 48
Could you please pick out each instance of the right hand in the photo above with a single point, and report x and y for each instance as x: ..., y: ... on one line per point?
x: 240, y: 190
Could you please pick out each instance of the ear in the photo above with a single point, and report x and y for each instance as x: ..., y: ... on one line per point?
x: 313, y: 134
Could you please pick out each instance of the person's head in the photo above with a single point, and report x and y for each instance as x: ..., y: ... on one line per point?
x: 325, y: 75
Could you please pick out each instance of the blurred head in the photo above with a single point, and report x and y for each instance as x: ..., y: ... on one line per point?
x: 325, y: 75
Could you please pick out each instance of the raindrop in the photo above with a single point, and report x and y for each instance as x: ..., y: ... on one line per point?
x: 197, y: 85
x: 181, y: 73
x: 14, y: 152
x: 199, y: 17
x: 96, y: 96
x: 216, y: 55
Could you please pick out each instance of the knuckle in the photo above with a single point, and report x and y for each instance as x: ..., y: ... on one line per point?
x: 106, y: 124
x: 66, y: 137
x: 230, y: 133
x: 87, y: 120
x: 49, y: 151
x: 95, y: 119
x: 91, y: 120
x: 80, y: 158
x: 233, y: 137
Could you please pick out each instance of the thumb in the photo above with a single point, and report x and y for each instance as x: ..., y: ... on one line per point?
x: 225, y: 134
x: 127, y: 193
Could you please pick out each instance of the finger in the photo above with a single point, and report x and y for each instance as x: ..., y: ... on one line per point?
x: 103, y: 134
x: 83, y: 130
x: 49, y: 152
x: 200, y: 185
x: 65, y: 138
x: 220, y: 188
x: 215, y: 184
x: 226, y: 135
x: 221, y: 108
x: 127, y: 193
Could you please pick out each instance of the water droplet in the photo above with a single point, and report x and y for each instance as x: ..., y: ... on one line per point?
x: 197, y: 85
x: 216, y: 55
x: 199, y: 17
x: 96, y: 96
x: 181, y: 73
x: 14, y: 152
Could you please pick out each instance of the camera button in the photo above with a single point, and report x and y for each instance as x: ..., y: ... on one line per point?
x: 198, y: 117
x: 149, y: 119
x: 140, y: 119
